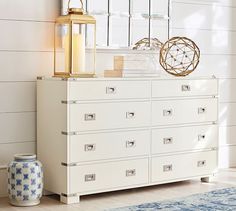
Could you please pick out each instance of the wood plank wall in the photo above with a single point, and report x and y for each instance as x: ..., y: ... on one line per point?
x: 26, y: 50
x: 212, y: 25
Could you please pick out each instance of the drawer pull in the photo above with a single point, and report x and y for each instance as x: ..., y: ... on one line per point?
x: 130, y: 172
x: 167, y: 112
x: 130, y: 115
x: 201, y: 163
x: 90, y: 117
x: 201, y: 110
x: 90, y: 177
x: 130, y: 144
x: 186, y: 88
x: 111, y: 90
x: 167, y: 168
x: 89, y: 147
x: 168, y: 140
x: 201, y: 137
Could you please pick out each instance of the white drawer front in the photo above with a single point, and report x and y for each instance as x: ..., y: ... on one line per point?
x: 184, y: 111
x: 177, y: 88
x: 183, y: 166
x: 108, y: 175
x: 109, y: 115
x: 90, y: 147
x: 184, y: 138
x: 105, y: 90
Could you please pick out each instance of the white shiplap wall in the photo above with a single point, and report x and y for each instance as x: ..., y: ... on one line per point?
x: 212, y: 25
x: 26, y: 44
x: 26, y: 50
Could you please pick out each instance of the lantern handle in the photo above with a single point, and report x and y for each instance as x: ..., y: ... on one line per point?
x: 82, y: 5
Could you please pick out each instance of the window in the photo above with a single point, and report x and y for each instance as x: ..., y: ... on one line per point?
x: 121, y: 23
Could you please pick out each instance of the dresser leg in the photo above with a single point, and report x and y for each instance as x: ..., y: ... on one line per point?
x: 70, y: 199
x: 205, y: 179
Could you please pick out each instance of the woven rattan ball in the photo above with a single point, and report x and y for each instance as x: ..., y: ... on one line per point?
x: 179, y: 56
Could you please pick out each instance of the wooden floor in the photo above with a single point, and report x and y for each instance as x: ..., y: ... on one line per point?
x: 225, y: 178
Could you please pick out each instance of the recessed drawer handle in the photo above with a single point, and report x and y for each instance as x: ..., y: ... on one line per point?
x: 168, y: 140
x: 130, y: 115
x: 89, y: 147
x: 201, y: 163
x: 89, y: 177
x: 130, y: 144
x: 201, y: 110
x: 201, y: 137
x: 186, y: 88
x: 111, y: 90
x: 90, y: 117
x: 167, y: 112
x: 167, y: 168
x: 130, y: 172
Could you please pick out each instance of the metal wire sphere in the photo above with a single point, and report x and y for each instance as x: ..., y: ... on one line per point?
x: 179, y: 56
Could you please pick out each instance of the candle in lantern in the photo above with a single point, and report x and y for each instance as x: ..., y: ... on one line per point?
x: 78, y: 53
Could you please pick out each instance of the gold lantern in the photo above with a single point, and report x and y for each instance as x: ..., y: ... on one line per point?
x: 73, y: 32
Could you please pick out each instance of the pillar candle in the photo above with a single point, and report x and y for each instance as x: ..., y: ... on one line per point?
x: 78, y: 53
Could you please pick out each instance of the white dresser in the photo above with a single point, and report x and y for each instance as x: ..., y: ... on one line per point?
x: 97, y: 135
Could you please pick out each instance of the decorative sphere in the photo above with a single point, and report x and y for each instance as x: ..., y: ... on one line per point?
x: 179, y: 56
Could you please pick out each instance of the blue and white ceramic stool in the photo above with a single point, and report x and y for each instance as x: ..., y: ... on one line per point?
x: 25, y: 180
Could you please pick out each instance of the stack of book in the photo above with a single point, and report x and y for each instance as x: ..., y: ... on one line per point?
x: 133, y: 66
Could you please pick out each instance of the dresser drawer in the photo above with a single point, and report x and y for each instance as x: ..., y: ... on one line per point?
x: 90, y: 147
x: 184, y: 111
x: 99, y: 116
x: 108, y: 175
x: 180, y: 88
x: 184, y: 138
x: 183, y: 166
x: 105, y: 90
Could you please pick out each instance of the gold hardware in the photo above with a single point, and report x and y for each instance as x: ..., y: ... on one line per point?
x: 78, y: 11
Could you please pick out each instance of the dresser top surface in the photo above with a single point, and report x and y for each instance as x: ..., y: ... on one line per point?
x: 125, y: 79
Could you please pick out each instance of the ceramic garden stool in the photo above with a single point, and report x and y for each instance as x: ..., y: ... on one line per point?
x: 25, y: 180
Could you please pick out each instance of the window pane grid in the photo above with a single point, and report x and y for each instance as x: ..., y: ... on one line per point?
x: 136, y: 21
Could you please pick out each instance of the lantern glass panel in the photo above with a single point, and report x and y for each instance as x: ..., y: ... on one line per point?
x: 61, y: 48
x: 91, y: 47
